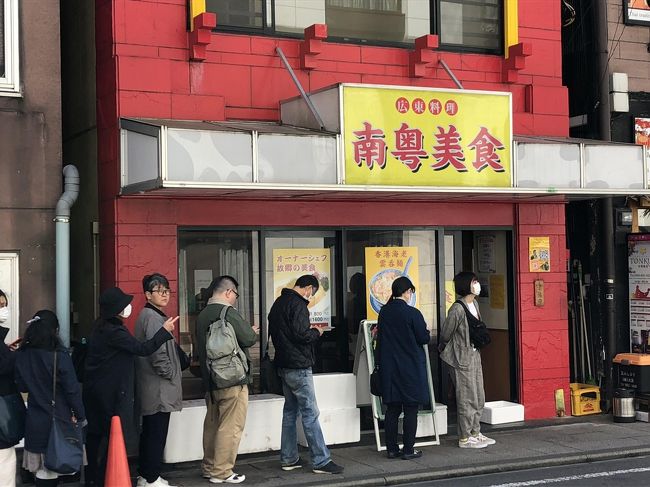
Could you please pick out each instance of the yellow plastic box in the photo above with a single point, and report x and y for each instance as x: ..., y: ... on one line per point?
x: 585, y: 399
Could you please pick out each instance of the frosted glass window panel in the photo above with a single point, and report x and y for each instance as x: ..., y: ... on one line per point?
x: 613, y: 166
x: 548, y: 165
x: 209, y: 156
x: 297, y: 159
x: 142, y: 154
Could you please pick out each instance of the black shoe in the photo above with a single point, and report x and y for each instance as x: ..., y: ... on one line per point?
x: 411, y: 456
x: 292, y: 466
x: 394, y: 454
x: 330, y: 467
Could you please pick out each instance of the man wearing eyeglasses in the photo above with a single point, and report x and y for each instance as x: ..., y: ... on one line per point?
x: 227, y: 408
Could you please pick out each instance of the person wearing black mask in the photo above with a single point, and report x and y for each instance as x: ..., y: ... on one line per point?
x: 109, y: 375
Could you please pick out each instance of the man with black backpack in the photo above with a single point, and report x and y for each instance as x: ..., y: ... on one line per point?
x: 223, y: 338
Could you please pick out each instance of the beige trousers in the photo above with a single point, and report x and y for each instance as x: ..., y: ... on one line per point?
x: 222, y: 430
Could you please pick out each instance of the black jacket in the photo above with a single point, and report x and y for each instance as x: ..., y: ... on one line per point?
x: 109, y: 377
x: 34, y: 369
x: 289, y: 326
x: 7, y: 382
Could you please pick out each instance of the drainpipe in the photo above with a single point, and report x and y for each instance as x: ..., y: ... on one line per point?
x: 62, y: 220
x: 608, y: 269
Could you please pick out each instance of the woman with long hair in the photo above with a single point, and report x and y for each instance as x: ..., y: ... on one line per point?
x: 34, y: 374
x: 402, y: 366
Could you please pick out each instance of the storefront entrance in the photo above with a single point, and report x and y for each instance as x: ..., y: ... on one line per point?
x: 265, y: 260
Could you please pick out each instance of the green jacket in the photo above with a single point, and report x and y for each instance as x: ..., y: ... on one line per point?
x: 246, y: 337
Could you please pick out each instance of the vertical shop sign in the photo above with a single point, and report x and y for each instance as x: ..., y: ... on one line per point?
x: 539, y: 254
x: 426, y: 137
x: 290, y: 264
x: 486, y: 255
x: 383, y: 266
x: 639, y: 291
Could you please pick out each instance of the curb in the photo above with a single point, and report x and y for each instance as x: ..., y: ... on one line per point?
x: 482, y: 469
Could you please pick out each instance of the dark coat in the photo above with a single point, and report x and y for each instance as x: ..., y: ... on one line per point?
x: 110, y: 369
x: 7, y: 382
x: 34, y: 369
x: 291, y: 332
x: 402, y: 332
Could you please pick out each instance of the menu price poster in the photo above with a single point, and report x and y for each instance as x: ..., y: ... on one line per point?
x: 383, y: 266
x: 638, y: 246
x: 539, y: 254
x: 290, y: 264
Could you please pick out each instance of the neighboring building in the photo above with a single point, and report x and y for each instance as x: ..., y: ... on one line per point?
x: 30, y: 159
x: 607, y: 70
x: 196, y: 177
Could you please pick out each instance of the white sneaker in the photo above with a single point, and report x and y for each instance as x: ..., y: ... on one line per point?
x: 471, y: 442
x: 485, y: 439
x: 159, y: 482
x: 142, y: 481
x: 235, y: 478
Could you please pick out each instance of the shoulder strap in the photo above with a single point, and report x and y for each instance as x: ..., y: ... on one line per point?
x: 224, y: 312
x: 54, y: 383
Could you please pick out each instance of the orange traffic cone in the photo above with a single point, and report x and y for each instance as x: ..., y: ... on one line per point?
x: 117, y: 466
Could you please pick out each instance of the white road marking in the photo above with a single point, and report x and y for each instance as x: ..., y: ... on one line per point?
x: 569, y: 478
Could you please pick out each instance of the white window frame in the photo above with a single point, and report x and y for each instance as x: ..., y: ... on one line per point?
x: 10, y: 83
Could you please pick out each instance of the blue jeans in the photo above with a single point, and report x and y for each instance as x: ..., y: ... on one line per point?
x: 299, y: 397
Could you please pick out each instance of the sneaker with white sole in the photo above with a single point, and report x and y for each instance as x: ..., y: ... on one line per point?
x: 142, y: 481
x: 159, y: 482
x: 287, y: 467
x: 471, y: 442
x: 235, y: 478
x: 485, y: 439
x: 330, y: 468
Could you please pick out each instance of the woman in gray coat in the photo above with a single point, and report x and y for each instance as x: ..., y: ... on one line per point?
x: 465, y: 361
x: 158, y: 380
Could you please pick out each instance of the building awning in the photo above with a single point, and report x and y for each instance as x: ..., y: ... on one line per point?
x: 281, y: 160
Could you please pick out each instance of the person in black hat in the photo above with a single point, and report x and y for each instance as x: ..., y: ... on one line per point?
x: 109, y: 376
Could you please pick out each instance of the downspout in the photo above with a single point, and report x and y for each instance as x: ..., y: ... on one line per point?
x: 607, y: 276
x: 62, y: 220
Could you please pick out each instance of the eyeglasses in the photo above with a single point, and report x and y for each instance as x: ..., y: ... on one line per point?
x: 236, y: 293
x: 162, y: 292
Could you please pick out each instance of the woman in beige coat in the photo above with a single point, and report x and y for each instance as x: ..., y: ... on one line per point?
x: 464, y: 358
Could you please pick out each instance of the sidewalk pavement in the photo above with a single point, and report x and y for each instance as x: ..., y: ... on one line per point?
x: 532, y: 444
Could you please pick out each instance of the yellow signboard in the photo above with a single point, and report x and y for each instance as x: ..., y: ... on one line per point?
x: 290, y: 264
x: 539, y: 254
x: 403, y: 137
x: 383, y: 266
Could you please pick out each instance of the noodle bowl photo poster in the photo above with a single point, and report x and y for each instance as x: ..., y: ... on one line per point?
x: 383, y: 266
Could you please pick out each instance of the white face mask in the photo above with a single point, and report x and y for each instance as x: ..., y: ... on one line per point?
x: 126, y: 312
x: 476, y: 288
x: 4, y: 314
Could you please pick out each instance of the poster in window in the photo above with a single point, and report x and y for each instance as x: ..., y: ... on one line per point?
x: 642, y: 131
x: 383, y: 266
x: 290, y: 264
x: 637, y: 12
x: 486, y: 255
x: 539, y: 254
x: 639, y: 291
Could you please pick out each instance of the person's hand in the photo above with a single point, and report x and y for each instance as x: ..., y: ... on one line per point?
x: 256, y: 329
x: 320, y: 329
x: 169, y: 324
x: 13, y: 346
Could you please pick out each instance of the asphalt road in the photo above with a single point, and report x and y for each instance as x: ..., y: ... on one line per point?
x: 610, y: 473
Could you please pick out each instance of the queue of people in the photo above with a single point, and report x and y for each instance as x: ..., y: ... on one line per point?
x: 138, y: 377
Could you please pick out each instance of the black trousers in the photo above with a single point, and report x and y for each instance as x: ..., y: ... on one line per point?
x: 96, y: 452
x: 152, y: 444
x: 409, y: 426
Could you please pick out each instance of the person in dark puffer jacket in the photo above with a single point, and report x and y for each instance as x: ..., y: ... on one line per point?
x: 7, y: 388
x: 293, y: 339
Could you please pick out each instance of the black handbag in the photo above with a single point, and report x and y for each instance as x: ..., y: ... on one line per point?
x: 64, y: 451
x: 183, y: 358
x: 12, y: 419
x: 269, y: 378
x: 478, y: 331
x: 375, y: 382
